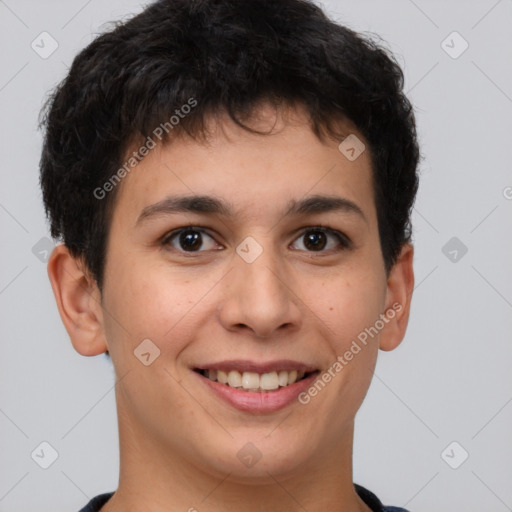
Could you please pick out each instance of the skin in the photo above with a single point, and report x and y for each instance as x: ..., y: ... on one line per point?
x: 178, y: 441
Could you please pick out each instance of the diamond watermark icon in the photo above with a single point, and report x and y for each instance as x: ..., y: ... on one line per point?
x: 249, y: 249
x: 249, y: 455
x: 454, y: 455
x: 44, y: 45
x: 146, y: 352
x: 352, y: 147
x: 42, y: 249
x: 454, y: 45
x: 454, y: 249
x: 44, y: 455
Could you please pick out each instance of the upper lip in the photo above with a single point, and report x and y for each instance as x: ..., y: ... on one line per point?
x: 244, y: 365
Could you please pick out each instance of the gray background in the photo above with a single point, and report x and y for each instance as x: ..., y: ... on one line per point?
x: 450, y: 380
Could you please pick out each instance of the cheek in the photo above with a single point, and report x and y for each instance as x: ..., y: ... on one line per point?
x: 147, y: 302
x: 347, y: 305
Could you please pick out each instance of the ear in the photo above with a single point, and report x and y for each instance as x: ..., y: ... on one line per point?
x: 398, y: 299
x: 79, y: 302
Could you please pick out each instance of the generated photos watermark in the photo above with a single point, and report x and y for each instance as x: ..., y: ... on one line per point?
x: 342, y: 360
x: 149, y: 144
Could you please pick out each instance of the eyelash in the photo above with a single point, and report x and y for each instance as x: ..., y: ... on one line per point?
x: 343, y: 241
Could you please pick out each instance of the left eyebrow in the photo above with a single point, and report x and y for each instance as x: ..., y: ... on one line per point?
x: 323, y: 204
x: 213, y: 206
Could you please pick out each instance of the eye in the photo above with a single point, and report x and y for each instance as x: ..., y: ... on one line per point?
x: 192, y: 239
x: 316, y: 239
x: 189, y: 239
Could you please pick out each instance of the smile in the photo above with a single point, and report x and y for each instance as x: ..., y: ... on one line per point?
x: 256, y: 388
x: 255, y: 382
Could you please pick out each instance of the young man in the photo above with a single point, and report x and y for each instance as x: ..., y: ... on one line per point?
x: 232, y: 182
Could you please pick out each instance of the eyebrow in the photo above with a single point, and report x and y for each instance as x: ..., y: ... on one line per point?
x: 213, y: 206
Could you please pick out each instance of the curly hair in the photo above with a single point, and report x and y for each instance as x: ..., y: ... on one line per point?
x: 228, y: 55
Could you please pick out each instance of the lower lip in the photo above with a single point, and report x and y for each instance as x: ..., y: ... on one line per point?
x: 259, y: 402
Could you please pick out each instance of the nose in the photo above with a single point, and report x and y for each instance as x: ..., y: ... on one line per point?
x: 260, y: 297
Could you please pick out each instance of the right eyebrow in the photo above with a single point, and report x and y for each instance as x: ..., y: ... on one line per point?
x: 183, y: 204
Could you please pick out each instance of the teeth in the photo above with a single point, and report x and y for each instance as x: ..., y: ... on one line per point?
x: 234, y: 379
x: 268, y: 381
x: 252, y: 381
x: 282, y: 378
x: 222, y: 377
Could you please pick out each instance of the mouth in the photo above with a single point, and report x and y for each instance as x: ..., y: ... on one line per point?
x: 255, y: 382
x: 257, y: 387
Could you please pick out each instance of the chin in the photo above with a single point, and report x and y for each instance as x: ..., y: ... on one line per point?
x: 261, y: 461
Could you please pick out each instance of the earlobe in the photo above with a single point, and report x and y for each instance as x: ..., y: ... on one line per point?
x: 398, y: 299
x: 79, y: 302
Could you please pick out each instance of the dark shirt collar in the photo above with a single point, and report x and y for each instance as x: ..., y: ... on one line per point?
x: 367, y: 496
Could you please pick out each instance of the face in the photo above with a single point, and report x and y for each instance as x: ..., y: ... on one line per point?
x: 257, y: 284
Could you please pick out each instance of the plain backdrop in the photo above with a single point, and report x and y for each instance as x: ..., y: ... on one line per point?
x: 434, y: 432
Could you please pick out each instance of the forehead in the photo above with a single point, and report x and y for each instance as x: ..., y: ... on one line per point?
x: 255, y: 174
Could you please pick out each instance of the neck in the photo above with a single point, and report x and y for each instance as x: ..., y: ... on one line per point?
x: 157, y: 479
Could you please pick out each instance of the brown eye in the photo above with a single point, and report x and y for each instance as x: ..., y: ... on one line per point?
x: 317, y: 239
x: 189, y: 240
